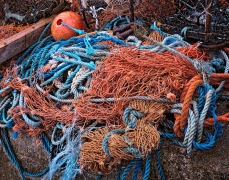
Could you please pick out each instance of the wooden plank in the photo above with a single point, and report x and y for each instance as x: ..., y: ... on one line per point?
x: 22, y: 40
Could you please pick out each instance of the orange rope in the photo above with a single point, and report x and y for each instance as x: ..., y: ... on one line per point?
x: 186, y: 87
x: 187, y: 101
x: 186, y: 97
x: 194, y: 53
x: 176, y: 127
x: 222, y: 118
x: 219, y: 76
x: 181, y: 120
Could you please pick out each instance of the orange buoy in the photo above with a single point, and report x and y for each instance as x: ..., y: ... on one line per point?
x: 59, y: 25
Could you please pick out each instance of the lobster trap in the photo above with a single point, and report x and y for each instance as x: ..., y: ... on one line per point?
x: 93, y: 6
x: 202, y: 20
x: 199, y: 20
x: 29, y: 11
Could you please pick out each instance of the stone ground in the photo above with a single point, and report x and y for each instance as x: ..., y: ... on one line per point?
x: 200, y: 165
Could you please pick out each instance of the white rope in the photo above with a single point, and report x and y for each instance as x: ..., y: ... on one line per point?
x: 95, y: 16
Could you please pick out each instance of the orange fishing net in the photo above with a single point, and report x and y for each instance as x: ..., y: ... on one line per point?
x: 156, y: 36
x: 93, y: 158
x: 105, y: 16
x: 194, y: 53
x: 131, y: 72
x: 152, y: 10
x: 144, y: 138
x: 148, y: 9
x: 154, y: 110
x: 224, y: 3
x: 111, y: 45
x: 75, y: 5
x: 40, y: 105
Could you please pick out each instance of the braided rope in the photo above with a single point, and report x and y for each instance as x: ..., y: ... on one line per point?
x: 225, y: 71
x: 187, y: 101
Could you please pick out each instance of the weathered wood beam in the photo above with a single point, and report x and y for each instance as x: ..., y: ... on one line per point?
x: 19, y: 42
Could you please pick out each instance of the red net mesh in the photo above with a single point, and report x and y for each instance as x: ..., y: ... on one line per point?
x: 40, y: 105
x: 131, y: 72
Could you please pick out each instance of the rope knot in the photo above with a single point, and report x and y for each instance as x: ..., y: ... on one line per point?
x: 130, y: 117
x: 204, y: 69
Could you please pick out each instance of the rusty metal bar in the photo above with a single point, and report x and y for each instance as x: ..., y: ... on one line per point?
x: 131, y: 10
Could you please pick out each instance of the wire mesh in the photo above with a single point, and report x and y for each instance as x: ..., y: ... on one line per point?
x: 28, y: 11
x: 200, y: 20
x: 206, y: 21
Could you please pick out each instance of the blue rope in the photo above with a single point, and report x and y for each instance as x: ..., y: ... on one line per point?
x: 63, y: 92
x: 99, y: 177
x: 155, y: 28
x: 19, y: 61
x: 106, y: 138
x: 1, y: 76
x: 119, y: 21
x: 130, y: 117
x: 109, y: 24
x: 44, y: 31
x: 52, y: 72
x: 57, y: 74
x: 184, y: 32
x: 217, y: 64
x: 90, y: 65
x: 208, y: 144
x: 159, y: 166
x: 127, y: 169
x: 4, y: 89
x: 45, y: 54
x: 89, y: 49
x: 60, y: 140
x: 72, y: 75
x: 147, y: 167
x: 80, y: 32
x: 210, y: 139
x: 30, y: 122
x: 118, y: 172
x: 40, y: 174
x: 136, y: 169
x: 4, y: 111
x: 46, y: 143
x: 11, y: 155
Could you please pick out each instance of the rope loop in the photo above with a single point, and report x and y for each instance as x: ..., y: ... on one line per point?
x: 130, y: 117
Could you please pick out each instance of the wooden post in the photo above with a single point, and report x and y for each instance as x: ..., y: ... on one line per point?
x: 208, y: 19
x: 131, y: 10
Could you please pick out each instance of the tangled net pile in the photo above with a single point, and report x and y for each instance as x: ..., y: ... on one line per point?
x: 131, y: 73
x: 108, y: 101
